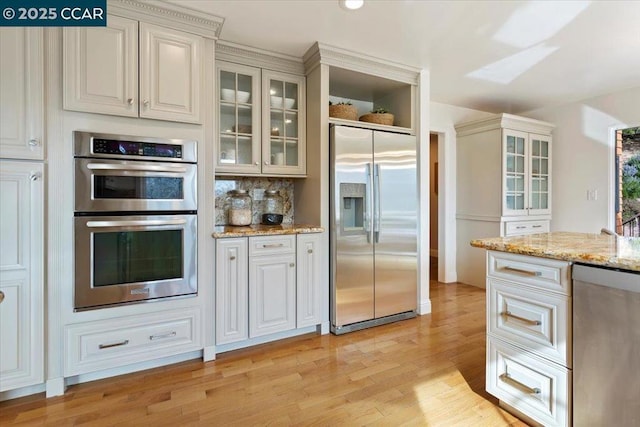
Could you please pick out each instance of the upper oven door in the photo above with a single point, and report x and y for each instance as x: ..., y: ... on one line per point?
x: 103, y: 185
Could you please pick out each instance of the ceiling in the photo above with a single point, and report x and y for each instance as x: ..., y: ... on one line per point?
x: 496, y: 56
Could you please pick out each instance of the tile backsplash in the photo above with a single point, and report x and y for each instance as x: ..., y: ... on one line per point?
x: 254, y: 186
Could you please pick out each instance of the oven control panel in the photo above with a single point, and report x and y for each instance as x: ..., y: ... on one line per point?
x: 136, y: 148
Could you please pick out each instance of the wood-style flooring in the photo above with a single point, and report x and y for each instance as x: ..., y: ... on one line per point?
x: 427, y: 371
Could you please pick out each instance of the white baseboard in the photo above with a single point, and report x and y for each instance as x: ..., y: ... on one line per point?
x: 425, y: 307
x: 21, y: 392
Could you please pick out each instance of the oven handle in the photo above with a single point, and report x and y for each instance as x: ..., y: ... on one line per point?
x: 131, y: 167
x: 130, y: 223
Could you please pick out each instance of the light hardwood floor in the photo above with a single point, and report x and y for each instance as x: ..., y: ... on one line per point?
x: 425, y: 371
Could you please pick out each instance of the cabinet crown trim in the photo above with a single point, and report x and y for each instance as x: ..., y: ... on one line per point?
x: 168, y: 14
x: 321, y: 53
x: 247, y: 55
x: 508, y: 121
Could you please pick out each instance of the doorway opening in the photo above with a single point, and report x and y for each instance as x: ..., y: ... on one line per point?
x: 433, y: 206
x: 627, y: 173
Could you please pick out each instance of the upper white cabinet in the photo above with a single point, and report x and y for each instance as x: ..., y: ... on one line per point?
x: 526, y: 173
x: 102, y: 73
x: 21, y: 93
x: 21, y: 274
x: 261, y: 118
x: 504, y: 165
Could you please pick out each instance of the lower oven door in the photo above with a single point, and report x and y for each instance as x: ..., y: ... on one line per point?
x: 121, y: 259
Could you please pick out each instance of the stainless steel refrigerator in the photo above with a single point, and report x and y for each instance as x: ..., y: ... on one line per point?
x: 374, y: 211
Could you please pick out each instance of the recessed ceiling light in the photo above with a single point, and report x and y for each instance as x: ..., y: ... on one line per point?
x: 351, y: 4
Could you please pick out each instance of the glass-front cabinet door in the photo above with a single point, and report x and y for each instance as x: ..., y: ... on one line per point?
x: 539, y: 174
x: 515, y: 174
x: 283, y: 124
x: 238, y: 119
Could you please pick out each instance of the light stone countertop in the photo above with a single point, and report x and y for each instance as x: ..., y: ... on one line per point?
x: 222, y: 231
x: 595, y: 249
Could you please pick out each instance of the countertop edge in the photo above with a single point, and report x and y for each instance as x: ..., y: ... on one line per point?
x: 529, y: 246
x: 222, y: 232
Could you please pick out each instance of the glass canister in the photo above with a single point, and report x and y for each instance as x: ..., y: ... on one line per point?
x: 273, y: 208
x: 239, y: 207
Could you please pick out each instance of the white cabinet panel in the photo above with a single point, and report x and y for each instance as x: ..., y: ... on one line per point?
x: 308, y: 289
x: 539, y: 389
x: 21, y: 274
x: 133, y: 69
x: 232, y: 298
x: 272, y: 294
x: 538, y: 321
x: 170, y: 74
x: 21, y: 93
x: 101, y: 68
x: 111, y: 343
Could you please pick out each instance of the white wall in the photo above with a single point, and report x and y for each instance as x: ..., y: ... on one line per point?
x: 583, y: 157
x: 443, y: 118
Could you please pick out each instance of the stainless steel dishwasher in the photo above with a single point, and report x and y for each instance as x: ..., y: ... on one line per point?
x: 606, y: 347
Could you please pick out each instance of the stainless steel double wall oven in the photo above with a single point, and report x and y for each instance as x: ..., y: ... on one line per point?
x: 135, y: 219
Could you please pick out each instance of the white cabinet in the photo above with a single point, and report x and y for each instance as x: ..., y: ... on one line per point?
x: 133, y: 69
x: 260, y: 121
x: 526, y: 189
x: 266, y: 285
x: 529, y: 351
x: 21, y: 274
x: 272, y: 284
x: 21, y: 93
x: 232, y: 299
x: 308, y: 290
x: 104, y: 344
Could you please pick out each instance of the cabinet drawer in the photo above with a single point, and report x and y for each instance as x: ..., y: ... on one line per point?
x: 112, y: 343
x: 537, y: 321
x: 541, y: 273
x: 515, y: 228
x: 271, y: 245
x: 539, y: 389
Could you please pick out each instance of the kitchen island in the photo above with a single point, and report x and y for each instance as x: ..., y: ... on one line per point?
x: 561, y: 336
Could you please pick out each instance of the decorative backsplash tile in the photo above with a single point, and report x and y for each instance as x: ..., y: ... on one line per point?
x: 254, y: 186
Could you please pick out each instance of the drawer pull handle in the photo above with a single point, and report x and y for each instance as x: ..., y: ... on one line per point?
x: 523, y: 271
x: 161, y: 336
x: 524, y: 319
x: 273, y: 245
x: 115, y: 344
x: 520, y: 227
x: 536, y: 226
x: 507, y: 378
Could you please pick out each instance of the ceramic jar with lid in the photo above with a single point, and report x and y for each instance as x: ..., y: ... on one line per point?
x: 239, y: 207
x: 272, y: 213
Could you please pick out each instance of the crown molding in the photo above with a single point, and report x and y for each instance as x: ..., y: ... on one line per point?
x: 246, y: 55
x: 508, y: 121
x: 168, y: 14
x: 321, y: 53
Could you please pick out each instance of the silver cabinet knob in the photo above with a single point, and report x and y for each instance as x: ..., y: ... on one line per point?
x: 257, y: 163
x: 1, y: 296
x: 309, y: 251
x: 33, y: 142
x: 35, y: 176
x: 130, y: 101
x: 266, y: 162
x: 232, y: 257
x: 145, y: 103
x: 292, y: 264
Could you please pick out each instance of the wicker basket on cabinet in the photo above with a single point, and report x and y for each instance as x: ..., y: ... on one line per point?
x: 343, y: 111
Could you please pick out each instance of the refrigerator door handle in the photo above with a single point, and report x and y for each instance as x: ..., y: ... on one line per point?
x: 367, y: 209
x: 376, y: 203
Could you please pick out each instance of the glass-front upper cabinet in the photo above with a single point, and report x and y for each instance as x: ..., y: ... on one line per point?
x: 283, y: 126
x: 238, y: 119
x: 540, y: 174
x: 527, y: 173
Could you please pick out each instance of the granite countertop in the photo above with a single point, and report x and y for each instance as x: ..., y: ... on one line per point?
x: 264, y: 230
x: 595, y: 249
